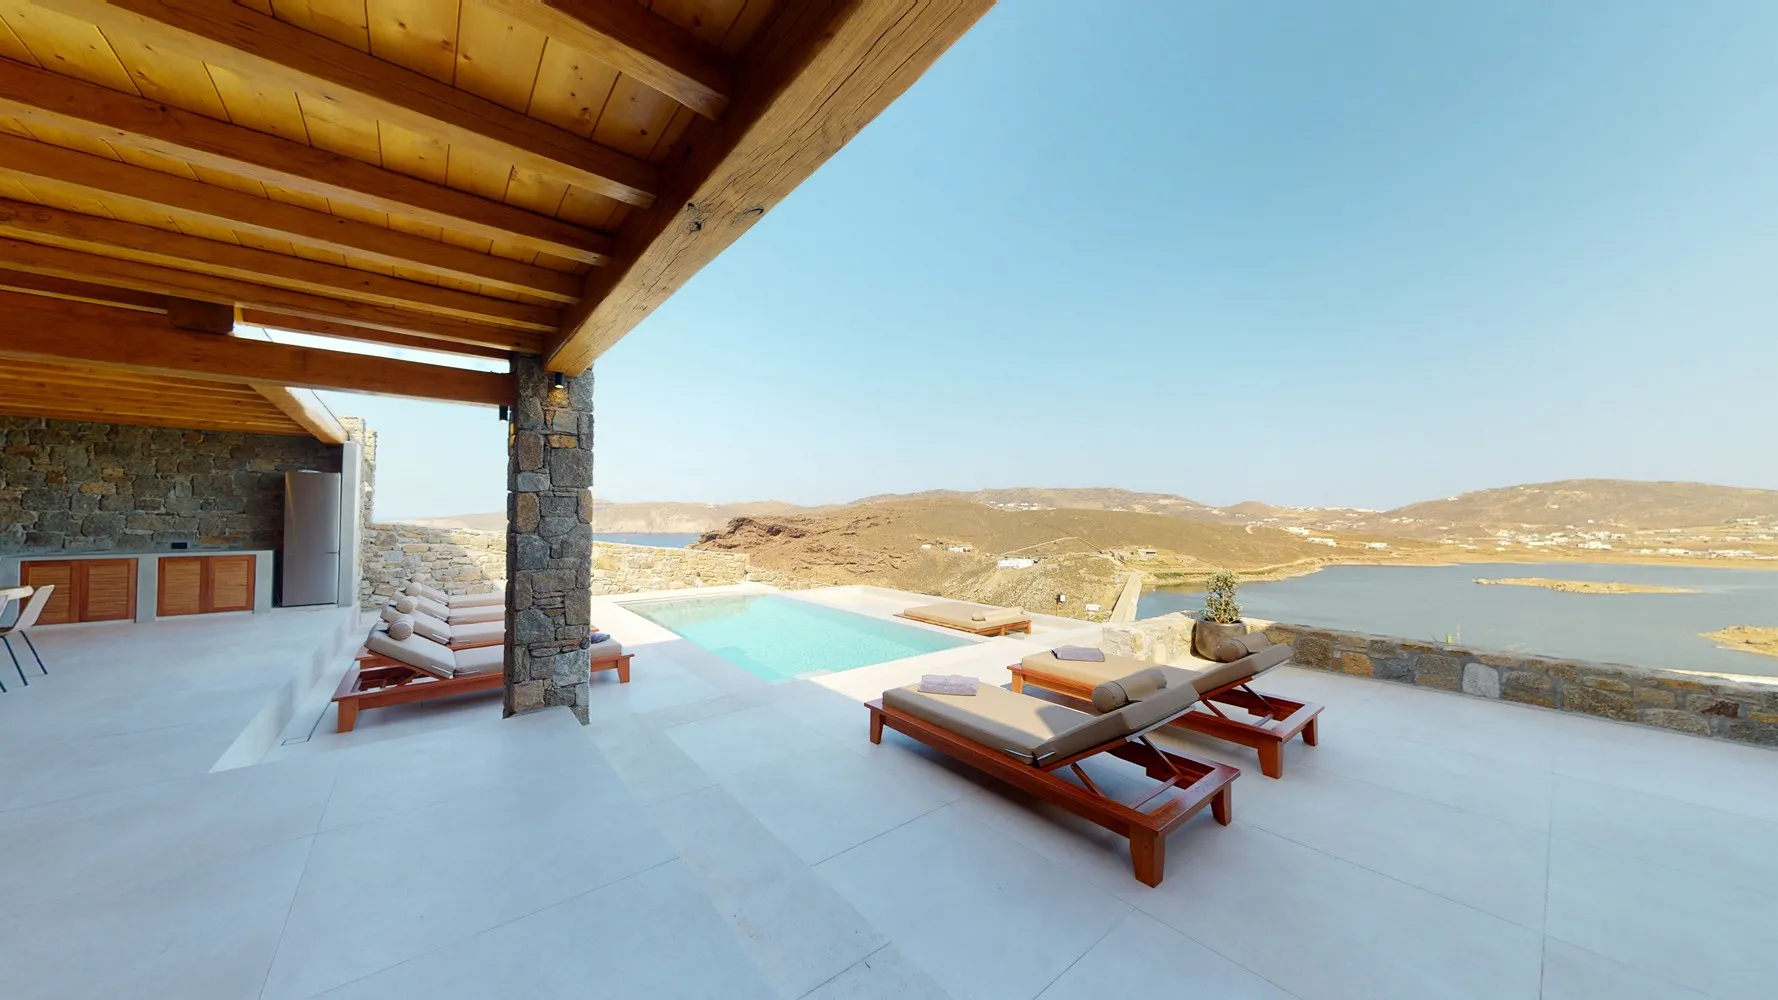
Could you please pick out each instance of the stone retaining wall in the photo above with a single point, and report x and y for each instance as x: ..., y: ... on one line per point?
x: 1745, y: 712
x: 470, y: 562
x: 68, y: 486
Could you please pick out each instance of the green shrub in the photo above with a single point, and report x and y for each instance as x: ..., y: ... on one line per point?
x: 1219, y: 598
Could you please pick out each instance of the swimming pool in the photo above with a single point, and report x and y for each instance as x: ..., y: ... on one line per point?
x: 779, y: 638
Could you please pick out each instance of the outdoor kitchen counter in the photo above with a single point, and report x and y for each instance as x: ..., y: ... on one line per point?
x: 147, y: 590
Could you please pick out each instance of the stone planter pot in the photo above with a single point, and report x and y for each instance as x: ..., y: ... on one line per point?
x: 1206, y: 636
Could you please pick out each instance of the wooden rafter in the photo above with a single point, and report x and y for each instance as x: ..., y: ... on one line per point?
x: 75, y: 265
x: 102, y: 178
x: 345, y: 331
x: 637, y: 41
x: 74, y: 231
x: 304, y: 407
x: 81, y: 291
x: 39, y: 97
x: 259, y: 46
x: 820, y: 72
x: 131, y: 341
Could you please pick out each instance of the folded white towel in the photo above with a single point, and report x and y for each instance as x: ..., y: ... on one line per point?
x: 947, y: 684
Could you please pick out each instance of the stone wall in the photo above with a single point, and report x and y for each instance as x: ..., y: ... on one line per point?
x: 467, y: 562
x: 1745, y: 712
x: 69, y: 487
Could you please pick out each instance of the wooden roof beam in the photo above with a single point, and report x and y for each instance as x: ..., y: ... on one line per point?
x: 817, y: 75
x: 306, y: 409
x: 262, y: 47
x: 130, y: 241
x: 112, y: 338
x: 78, y: 266
x: 636, y: 41
x: 39, y: 97
x: 345, y: 331
x: 152, y: 190
x: 82, y: 291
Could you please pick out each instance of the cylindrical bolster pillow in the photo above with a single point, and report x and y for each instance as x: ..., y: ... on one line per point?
x: 413, y: 590
x: 406, y: 605
x: 391, y: 612
x: 1113, y: 695
x: 401, y: 627
x: 1240, y: 646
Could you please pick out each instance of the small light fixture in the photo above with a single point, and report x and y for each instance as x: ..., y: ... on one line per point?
x: 505, y: 414
x: 558, y: 380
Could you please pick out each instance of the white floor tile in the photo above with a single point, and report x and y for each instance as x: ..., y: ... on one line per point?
x: 1709, y: 932
x: 380, y: 892
x: 651, y: 934
x: 981, y: 914
x: 884, y: 973
x: 732, y: 743
x: 792, y: 924
x: 1482, y: 785
x: 1490, y: 865
x: 204, y: 934
x: 1668, y: 832
x: 1323, y: 928
x: 1142, y: 957
x: 1571, y: 973
x: 822, y: 802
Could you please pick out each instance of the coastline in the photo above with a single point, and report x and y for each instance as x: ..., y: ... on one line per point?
x: 1189, y: 580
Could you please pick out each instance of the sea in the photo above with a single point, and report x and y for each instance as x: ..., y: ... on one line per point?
x: 1444, y: 604
x: 660, y: 540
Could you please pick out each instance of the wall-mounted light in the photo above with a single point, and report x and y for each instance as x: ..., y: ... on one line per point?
x: 505, y: 414
x: 558, y: 380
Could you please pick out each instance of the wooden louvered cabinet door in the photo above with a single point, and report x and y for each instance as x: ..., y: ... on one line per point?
x: 87, y: 590
x: 201, y: 585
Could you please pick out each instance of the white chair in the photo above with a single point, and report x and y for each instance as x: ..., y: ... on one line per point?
x: 27, y: 618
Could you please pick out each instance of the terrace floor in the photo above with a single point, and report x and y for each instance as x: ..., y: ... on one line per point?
x: 713, y: 835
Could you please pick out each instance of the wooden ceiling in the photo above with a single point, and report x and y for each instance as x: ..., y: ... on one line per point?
x: 472, y: 176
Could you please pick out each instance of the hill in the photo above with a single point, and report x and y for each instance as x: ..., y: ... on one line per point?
x: 952, y: 547
x: 652, y: 518
x: 1573, y: 503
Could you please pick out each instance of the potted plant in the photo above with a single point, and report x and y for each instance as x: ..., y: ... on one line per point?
x: 1221, y: 618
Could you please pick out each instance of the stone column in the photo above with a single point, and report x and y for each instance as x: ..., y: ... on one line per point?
x: 549, y: 539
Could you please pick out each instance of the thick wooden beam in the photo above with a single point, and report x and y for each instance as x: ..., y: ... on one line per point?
x: 81, y: 291
x: 74, y: 231
x: 39, y: 97
x: 637, y: 41
x: 103, y: 178
x: 345, y: 331
x: 76, y: 265
x: 818, y: 74
x: 264, y: 48
x: 201, y: 317
x: 306, y: 409
x: 113, y: 338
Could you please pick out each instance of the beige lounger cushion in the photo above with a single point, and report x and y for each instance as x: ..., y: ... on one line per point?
x: 1113, y: 695
x: 421, y: 654
x: 479, y: 661
x: 605, y: 650
x: 1096, y: 672
x: 483, y: 613
x: 1016, y: 724
x: 430, y: 607
x: 478, y: 631
x: 430, y: 627
x: 1237, y: 646
x: 1246, y: 668
x: 476, y: 600
x: 968, y: 617
x: 390, y: 613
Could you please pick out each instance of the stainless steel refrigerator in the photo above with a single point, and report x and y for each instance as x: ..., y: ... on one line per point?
x: 311, y: 573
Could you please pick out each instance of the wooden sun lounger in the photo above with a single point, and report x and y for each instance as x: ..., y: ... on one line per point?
x: 973, y: 628
x: 376, y: 681
x: 1280, y: 719
x: 1200, y: 783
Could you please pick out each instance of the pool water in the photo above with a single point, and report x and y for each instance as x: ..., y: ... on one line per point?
x: 779, y: 638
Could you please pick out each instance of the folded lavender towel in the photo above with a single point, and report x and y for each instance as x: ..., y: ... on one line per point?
x: 947, y: 684
x: 1082, y: 653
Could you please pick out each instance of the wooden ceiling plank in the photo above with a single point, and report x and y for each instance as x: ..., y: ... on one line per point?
x: 816, y: 75
x: 36, y: 258
x: 190, y: 422
x: 135, y: 342
x: 250, y: 43
x: 115, y: 181
x: 638, y: 43
x: 343, y: 331
x: 81, y: 291
x: 73, y: 230
x: 305, y: 409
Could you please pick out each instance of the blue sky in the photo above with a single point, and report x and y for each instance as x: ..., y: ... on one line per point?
x: 1361, y: 253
